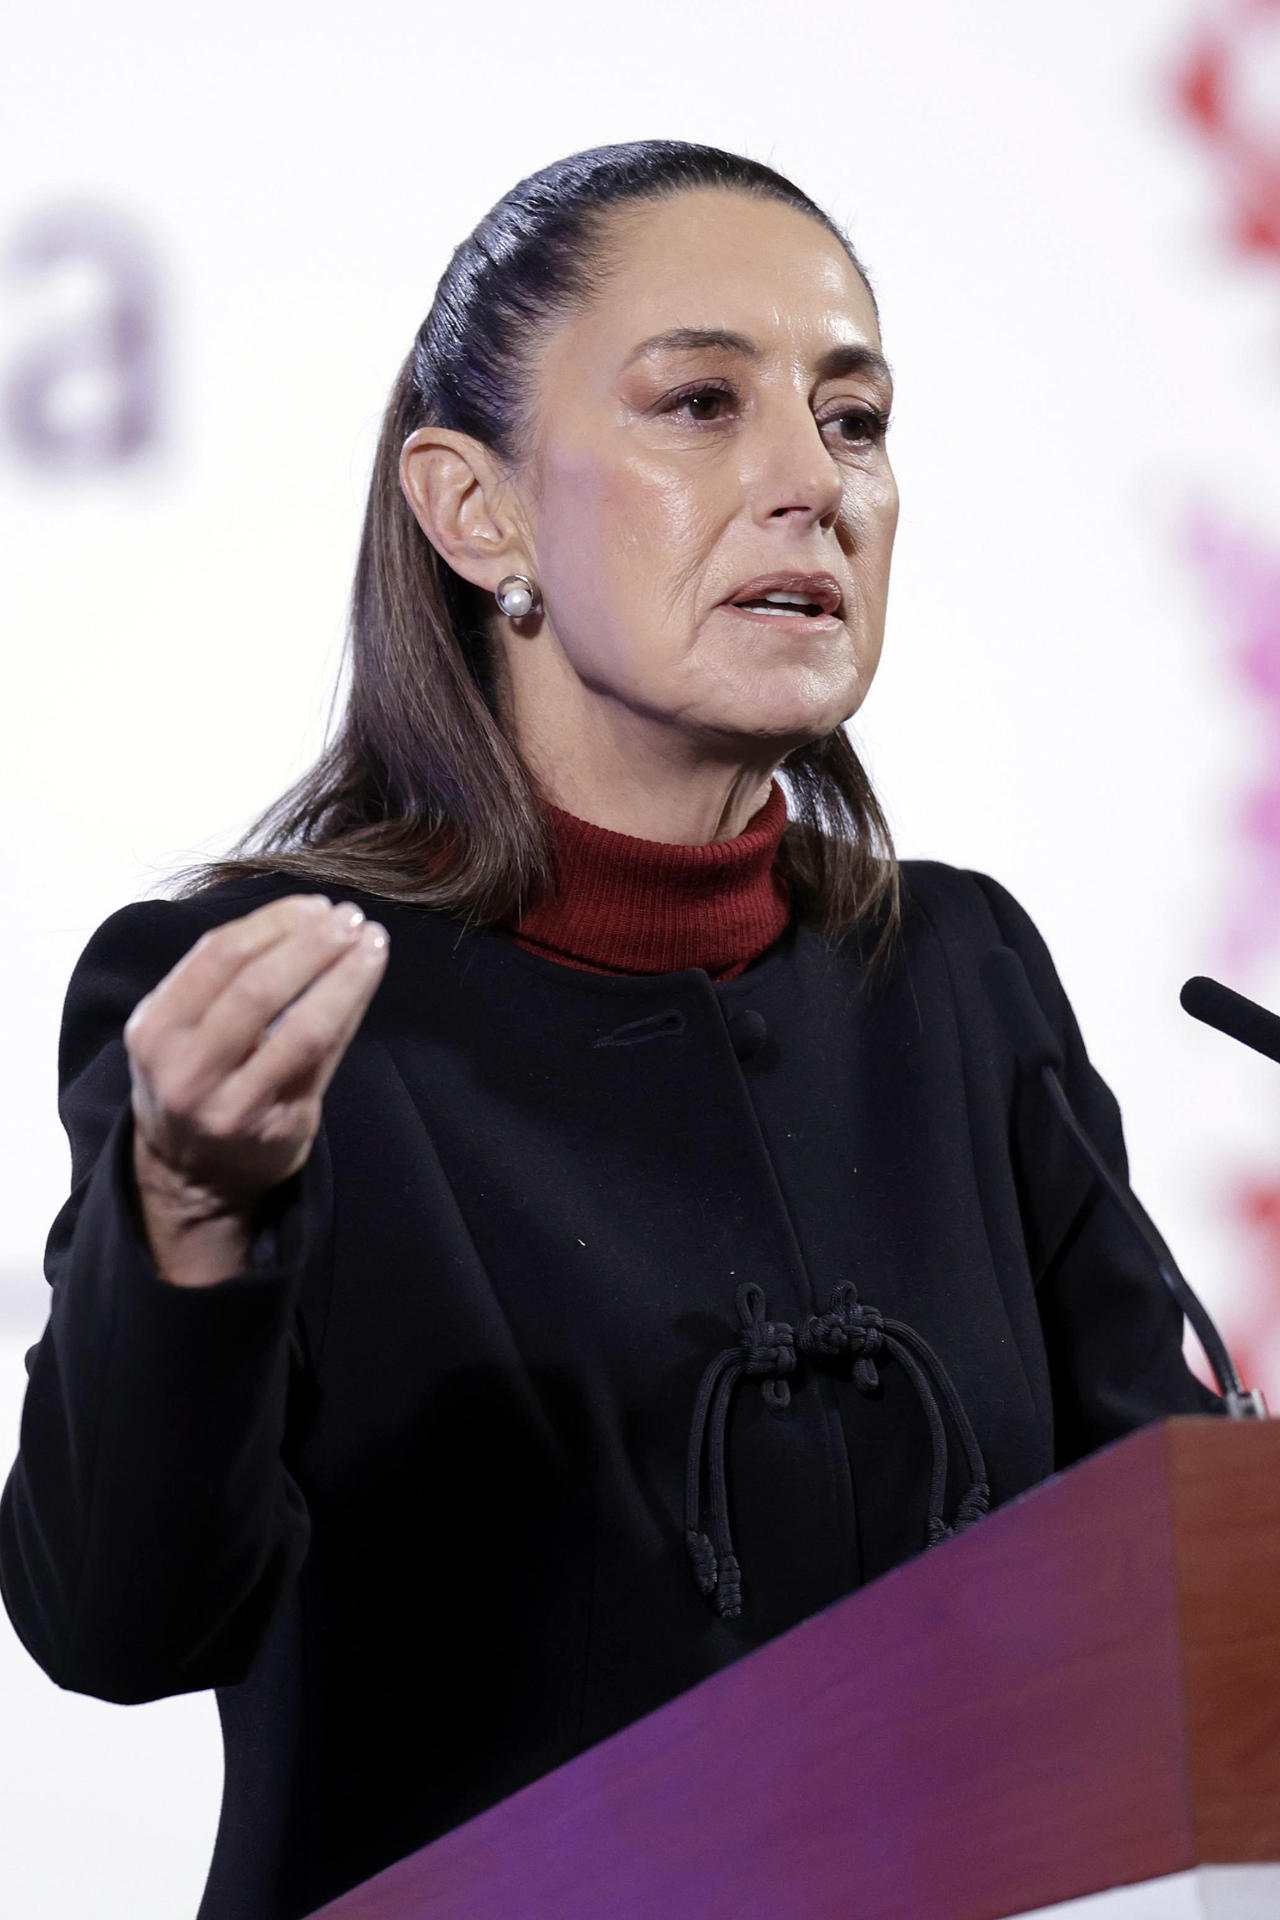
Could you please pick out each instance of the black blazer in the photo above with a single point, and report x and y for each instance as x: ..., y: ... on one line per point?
x: 410, y: 1494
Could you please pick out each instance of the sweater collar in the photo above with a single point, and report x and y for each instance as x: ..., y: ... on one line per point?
x: 626, y: 905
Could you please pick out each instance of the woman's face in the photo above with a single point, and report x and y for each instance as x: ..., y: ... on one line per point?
x: 665, y: 477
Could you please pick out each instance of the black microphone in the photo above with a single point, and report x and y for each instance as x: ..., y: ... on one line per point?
x: 1038, y: 1051
x: 1232, y: 1014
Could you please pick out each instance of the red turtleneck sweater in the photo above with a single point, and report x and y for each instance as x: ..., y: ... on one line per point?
x: 625, y: 905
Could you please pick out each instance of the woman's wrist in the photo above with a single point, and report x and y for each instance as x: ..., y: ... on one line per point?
x: 195, y: 1238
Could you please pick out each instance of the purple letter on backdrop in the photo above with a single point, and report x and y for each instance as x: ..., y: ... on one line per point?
x: 82, y: 397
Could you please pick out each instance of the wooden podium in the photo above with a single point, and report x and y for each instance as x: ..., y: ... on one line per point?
x: 1081, y: 1692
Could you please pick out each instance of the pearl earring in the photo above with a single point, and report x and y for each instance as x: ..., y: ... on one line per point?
x: 516, y: 595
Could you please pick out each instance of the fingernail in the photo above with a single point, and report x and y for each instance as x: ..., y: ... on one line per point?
x: 375, y: 936
x: 350, y: 916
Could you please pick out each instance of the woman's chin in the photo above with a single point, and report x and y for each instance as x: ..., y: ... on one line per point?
x: 774, y: 734
x: 792, y: 716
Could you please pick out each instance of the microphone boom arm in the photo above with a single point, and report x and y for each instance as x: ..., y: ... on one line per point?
x: 1242, y: 1403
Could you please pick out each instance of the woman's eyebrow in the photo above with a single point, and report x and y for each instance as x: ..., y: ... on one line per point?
x: 847, y: 358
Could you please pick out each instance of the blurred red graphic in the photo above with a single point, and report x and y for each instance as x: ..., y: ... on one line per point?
x: 1226, y: 87
x: 1220, y: 86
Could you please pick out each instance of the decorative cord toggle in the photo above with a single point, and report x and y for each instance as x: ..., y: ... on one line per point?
x: 770, y: 1351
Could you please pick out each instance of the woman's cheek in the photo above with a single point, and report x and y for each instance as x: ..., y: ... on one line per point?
x: 888, y: 505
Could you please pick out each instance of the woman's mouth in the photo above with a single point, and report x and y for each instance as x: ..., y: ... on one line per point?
x: 795, y: 617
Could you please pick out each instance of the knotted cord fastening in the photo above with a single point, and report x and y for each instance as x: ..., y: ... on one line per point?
x: 765, y: 1351
x: 770, y: 1350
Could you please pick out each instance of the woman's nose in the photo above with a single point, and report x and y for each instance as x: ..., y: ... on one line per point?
x: 795, y: 464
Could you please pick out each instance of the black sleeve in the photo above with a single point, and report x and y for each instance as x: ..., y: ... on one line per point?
x: 148, y: 1525
x: 1112, y: 1329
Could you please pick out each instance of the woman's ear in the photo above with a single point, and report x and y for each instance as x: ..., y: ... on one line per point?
x: 459, y: 498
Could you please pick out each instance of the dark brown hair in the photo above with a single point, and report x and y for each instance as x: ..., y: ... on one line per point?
x: 421, y: 795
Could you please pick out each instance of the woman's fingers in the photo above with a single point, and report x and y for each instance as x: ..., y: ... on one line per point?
x: 230, y: 1054
x: 250, y: 979
x: 301, y: 1052
x: 235, y: 1022
x: 183, y: 997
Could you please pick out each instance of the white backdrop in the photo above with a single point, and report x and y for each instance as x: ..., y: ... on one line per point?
x: 1080, y: 690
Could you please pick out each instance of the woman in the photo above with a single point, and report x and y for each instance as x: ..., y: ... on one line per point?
x: 678, y: 1245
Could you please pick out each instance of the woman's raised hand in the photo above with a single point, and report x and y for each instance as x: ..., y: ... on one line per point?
x: 230, y: 1055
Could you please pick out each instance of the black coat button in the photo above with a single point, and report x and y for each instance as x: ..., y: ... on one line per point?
x: 748, y: 1030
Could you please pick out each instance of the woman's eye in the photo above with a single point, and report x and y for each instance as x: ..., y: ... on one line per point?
x: 698, y: 395
x: 702, y: 406
x: 863, y: 424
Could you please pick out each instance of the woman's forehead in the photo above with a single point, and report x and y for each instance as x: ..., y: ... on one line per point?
x: 707, y: 272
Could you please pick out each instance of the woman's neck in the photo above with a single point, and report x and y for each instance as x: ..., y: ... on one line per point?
x: 715, y: 806
x: 618, y: 768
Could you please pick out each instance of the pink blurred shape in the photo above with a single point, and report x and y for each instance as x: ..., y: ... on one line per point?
x: 1240, y: 572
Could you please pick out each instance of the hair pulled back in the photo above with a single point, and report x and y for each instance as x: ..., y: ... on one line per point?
x: 421, y: 795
